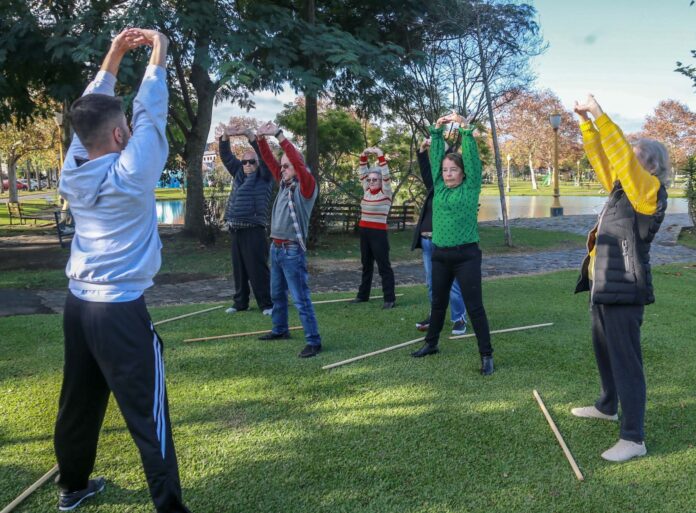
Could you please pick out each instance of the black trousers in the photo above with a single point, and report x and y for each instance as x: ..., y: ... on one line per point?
x: 113, y: 347
x: 462, y: 263
x: 616, y: 341
x: 374, y: 245
x: 250, y: 264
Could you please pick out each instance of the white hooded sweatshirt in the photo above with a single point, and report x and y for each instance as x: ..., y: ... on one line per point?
x: 115, y: 251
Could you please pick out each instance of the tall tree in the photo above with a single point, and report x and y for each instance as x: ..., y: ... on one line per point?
x: 673, y: 124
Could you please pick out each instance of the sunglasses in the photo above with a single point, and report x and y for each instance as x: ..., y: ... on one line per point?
x: 285, y: 166
x: 373, y: 180
x: 251, y: 162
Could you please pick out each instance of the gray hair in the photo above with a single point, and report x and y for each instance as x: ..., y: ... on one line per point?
x: 653, y: 156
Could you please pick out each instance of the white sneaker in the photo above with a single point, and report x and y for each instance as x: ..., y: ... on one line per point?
x: 231, y: 310
x: 624, y: 450
x: 268, y: 311
x: 590, y: 412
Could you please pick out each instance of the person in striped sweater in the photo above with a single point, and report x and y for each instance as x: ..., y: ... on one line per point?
x: 374, y: 242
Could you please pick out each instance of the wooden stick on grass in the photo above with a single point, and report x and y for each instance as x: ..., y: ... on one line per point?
x: 507, y: 330
x: 233, y: 335
x: 188, y: 315
x: 26, y: 493
x: 416, y: 340
x: 324, y: 301
x: 559, y: 437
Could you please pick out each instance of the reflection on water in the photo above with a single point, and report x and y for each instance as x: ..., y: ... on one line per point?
x: 540, y: 206
x: 172, y: 211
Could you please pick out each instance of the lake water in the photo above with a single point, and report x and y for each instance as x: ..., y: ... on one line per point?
x: 172, y: 211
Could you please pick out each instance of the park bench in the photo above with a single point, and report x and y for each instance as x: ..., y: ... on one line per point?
x: 345, y: 214
x: 65, y: 226
x: 400, y: 215
x: 16, y: 212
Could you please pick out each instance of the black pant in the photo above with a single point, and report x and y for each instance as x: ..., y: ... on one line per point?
x: 616, y: 341
x: 374, y: 245
x: 250, y: 264
x: 462, y: 263
x: 113, y: 347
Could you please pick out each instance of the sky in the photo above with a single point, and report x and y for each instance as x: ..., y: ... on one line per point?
x: 622, y: 51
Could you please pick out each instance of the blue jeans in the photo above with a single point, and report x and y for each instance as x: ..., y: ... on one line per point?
x: 457, y: 308
x: 289, y: 272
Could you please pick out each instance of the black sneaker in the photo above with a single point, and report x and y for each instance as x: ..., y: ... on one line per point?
x: 426, y: 350
x: 309, y: 351
x: 275, y: 336
x: 388, y: 305
x: 423, y: 325
x: 459, y: 327
x: 68, y: 501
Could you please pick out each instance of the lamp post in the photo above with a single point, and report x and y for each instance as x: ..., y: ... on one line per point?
x: 556, y: 208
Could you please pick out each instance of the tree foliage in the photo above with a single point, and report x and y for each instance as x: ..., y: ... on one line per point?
x: 673, y: 124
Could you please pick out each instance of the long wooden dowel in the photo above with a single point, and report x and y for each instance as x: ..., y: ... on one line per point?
x: 188, y: 315
x: 26, y: 493
x: 373, y: 353
x: 416, y: 340
x: 508, y: 330
x: 323, y: 302
x: 233, y: 335
x: 559, y: 437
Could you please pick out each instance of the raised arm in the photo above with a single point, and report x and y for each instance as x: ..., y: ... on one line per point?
x: 105, y: 82
x: 264, y: 172
x: 268, y: 158
x: 144, y: 157
x: 229, y: 159
x: 639, y: 185
x: 384, y: 168
x: 471, y: 159
x: 424, y: 164
x: 363, y: 170
x: 593, y: 148
x: 307, y: 182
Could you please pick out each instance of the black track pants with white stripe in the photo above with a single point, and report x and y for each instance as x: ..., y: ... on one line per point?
x: 113, y: 347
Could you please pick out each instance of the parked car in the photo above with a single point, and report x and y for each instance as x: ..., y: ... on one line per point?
x: 6, y: 185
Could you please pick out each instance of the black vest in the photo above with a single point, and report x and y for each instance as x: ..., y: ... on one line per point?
x: 622, y: 240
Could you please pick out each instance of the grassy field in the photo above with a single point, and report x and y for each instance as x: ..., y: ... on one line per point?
x: 182, y: 255
x: 258, y: 429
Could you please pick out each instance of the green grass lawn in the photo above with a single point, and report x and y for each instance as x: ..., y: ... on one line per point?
x: 258, y: 429
x: 182, y: 255
x: 687, y: 237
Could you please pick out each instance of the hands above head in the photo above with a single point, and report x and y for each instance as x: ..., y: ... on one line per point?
x: 589, y: 106
x: 221, y: 131
x: 374, y: 150
x: 453, y: 117
x: 234, y: 128
x: 424, y: 145
x: 268, y: 128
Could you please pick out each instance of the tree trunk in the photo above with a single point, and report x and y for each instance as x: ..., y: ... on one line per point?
x: 12, y: 179
x: 531, y: 173
x: 494, y: 135
x: 194, y: 148
x: 312, y: 141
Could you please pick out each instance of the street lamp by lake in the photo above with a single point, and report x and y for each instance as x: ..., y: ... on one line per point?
x: 556, y: 208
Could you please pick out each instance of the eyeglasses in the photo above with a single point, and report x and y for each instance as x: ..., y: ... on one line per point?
x: 250, y: 162
x: 373, y: 180
x: 286, y: 166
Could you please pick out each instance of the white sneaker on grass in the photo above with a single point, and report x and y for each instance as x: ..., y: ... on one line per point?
x: 625, y: 450
x: 231, y: 310
x: 590, y: 412
x: 268, y: 311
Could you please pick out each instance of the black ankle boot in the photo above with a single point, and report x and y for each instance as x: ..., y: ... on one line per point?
x: 487, y: 365
x: 425, y: 351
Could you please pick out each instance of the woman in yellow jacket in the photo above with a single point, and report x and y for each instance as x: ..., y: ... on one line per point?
x: 616, y: 270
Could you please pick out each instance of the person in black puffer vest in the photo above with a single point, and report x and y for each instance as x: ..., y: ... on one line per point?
x: 247, y: 217
x: 616, y: 270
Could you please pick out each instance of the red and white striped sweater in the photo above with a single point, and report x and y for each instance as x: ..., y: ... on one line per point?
x: 374, y: 208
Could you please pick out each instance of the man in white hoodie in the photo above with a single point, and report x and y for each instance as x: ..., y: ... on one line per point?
x: 109, y: 178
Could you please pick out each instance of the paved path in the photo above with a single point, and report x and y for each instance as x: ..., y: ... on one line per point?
x: 345, y: 275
